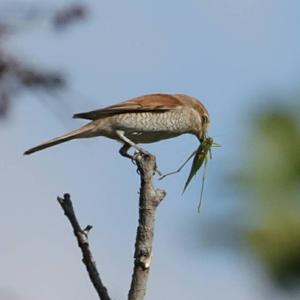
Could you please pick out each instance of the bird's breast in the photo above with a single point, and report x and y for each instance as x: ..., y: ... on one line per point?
x: 148, y: 127
x: 175, y: 121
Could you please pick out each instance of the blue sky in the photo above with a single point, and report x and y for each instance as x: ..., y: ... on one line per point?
x: 226, y: 53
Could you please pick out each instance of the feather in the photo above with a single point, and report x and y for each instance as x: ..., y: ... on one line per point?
x: 148, y: 103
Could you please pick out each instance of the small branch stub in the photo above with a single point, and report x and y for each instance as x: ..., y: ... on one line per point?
x: 148, y: 203
x: 83, y: 244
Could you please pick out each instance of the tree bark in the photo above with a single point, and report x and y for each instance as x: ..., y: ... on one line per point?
x: 148, y: 203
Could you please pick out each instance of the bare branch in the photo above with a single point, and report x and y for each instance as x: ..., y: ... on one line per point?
x: 149, y: 201
x: 82, y: 239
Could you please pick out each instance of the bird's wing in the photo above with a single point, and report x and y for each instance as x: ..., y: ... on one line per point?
x: 153, y: 102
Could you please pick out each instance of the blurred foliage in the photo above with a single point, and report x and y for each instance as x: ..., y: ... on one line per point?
x: 16, y: 73
x: 69, y: 15
x: 271, y: 174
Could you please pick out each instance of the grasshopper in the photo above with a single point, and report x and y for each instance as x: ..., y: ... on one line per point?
x: 201, y: 156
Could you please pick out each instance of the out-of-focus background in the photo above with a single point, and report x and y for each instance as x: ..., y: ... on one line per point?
x: 241, y: 58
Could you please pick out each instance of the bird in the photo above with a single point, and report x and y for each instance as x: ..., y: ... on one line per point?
x: 140, y: 120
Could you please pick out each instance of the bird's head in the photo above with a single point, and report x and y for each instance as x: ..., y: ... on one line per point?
x: 202, y: 134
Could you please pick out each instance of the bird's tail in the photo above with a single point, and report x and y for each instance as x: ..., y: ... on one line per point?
x: 78, y: 133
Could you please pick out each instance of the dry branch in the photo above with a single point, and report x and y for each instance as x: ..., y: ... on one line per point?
x: 82, y: 239
x: 148, y: 203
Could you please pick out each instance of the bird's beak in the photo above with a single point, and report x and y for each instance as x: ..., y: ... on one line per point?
x: 202, y: 134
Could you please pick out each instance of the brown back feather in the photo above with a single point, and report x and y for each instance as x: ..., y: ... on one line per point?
x: 153, y: 102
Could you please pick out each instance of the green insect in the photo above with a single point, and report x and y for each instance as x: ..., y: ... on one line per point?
x: 201, y: 156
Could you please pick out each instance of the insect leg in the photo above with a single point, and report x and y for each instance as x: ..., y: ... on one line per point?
x: 180, y: 168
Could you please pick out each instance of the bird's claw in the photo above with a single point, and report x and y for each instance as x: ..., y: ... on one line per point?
x: 157, y: 171
x: 144, y: 153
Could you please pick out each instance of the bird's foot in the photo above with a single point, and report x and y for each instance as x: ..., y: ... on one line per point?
x: 144, y: 153
x: 140, y: 152
x: 159, y: 173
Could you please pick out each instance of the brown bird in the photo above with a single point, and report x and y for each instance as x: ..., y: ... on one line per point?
x: 145, y: 119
